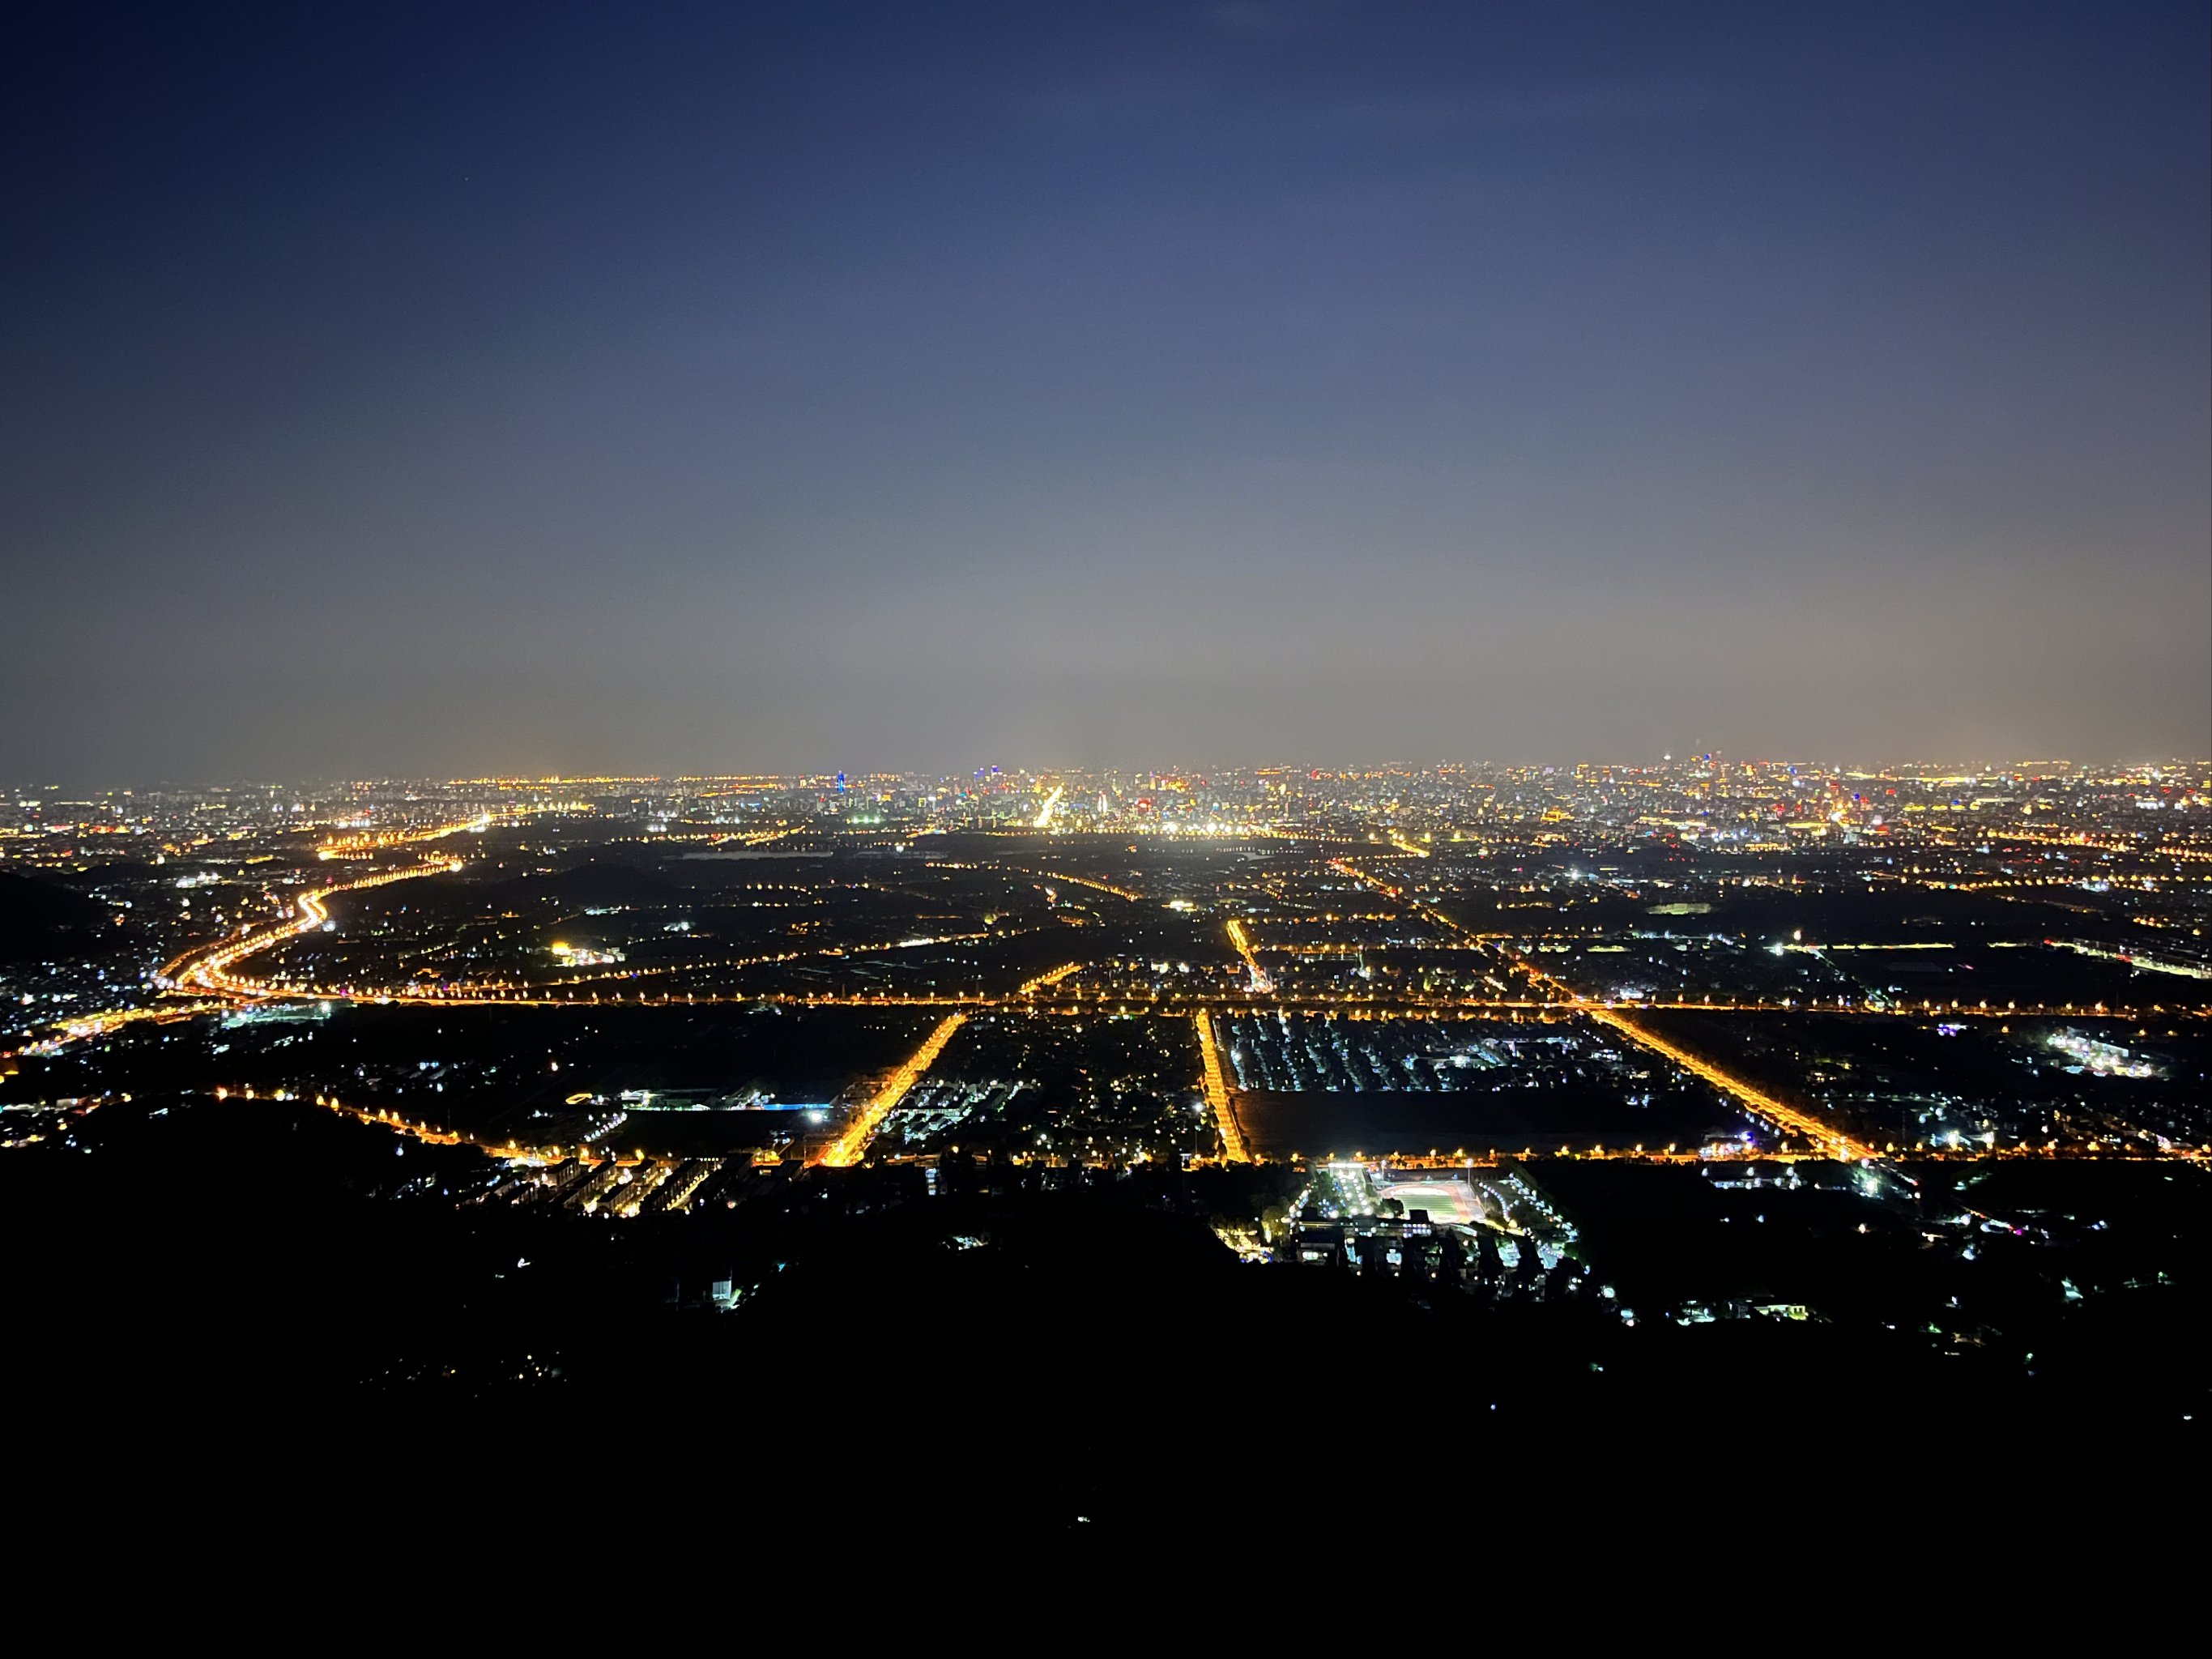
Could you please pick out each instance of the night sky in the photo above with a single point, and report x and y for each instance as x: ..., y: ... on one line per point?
x: 659, y: 388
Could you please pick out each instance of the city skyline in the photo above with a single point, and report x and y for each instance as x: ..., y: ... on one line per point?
x: 2177, y: 770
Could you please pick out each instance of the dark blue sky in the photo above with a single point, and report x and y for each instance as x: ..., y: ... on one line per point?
x: 664, y: 387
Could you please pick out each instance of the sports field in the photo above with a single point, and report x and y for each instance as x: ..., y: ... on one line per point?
x: 1445, y: 1201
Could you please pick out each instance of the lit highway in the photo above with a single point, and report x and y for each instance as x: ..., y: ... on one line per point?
x: 1262, y: 983
x: 1829, y: 1142
x: 208, y: 971
x: 852, y: 1140
x: 1219, y: 1099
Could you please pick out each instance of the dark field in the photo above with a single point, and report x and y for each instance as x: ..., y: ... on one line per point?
x: 1545, y: 1118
